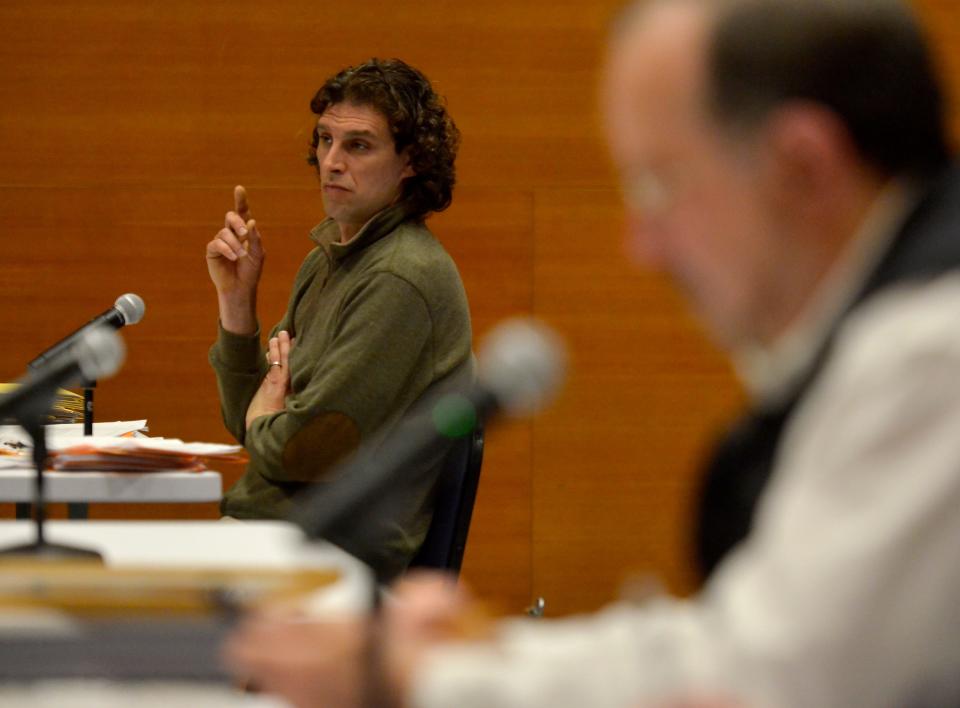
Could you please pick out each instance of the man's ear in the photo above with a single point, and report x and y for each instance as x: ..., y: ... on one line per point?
x: 811, y: 153
x: 408, y: 170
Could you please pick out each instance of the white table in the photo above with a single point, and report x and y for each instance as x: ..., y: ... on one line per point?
x: 197, y: 544
x: 80, y: 488
x: 190, y: 544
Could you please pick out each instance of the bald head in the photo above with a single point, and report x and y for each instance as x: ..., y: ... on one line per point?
x: 656, y: 62
x: 692, y: 203
x: 752, y: 137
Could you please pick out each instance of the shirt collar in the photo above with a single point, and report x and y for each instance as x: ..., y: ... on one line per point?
x: 326, y: 234
x: 771, y: 373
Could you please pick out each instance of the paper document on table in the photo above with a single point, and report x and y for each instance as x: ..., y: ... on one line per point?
x: 13, y: 438
x: 108, y: 429
x: 15, y: 461
x: 136, y: 454
x: 67, y: 406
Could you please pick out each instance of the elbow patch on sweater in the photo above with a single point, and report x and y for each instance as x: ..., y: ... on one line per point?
x: 319, y: 445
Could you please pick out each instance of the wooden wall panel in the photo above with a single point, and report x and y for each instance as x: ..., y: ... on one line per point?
x: 488, y: 234
x: 616, y: 456
x: 124, y: 126
x: 942, y: 21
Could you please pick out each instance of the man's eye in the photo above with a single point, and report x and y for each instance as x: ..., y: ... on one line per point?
x: 325, y: 140
x: 360, y: 146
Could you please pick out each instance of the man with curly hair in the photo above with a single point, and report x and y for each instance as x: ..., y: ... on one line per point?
x: 377, y: 316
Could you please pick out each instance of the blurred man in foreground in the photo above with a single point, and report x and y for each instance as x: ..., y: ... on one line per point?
x: 378, y: 312
x: 785, y: 162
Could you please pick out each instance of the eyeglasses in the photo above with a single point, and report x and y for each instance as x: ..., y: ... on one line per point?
x: 654, y: 190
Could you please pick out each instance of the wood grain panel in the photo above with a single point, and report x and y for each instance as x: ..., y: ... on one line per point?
x: 615, y: 458
x: 942, y: 21
x: 488, y: 233
x: 214, y: 92
x: 124, y: 128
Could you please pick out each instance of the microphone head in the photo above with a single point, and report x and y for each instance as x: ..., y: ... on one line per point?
x: 522, y: 363
x: 99, y: 352
x: 130, y: 307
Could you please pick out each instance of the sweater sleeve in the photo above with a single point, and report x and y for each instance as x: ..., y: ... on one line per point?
x: 380, y: 357
x: 236, y: 361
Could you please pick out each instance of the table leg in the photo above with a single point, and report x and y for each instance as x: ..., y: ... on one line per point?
x: 77, y: 511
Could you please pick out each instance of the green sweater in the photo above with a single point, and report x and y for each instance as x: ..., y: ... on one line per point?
x: 377, y: 322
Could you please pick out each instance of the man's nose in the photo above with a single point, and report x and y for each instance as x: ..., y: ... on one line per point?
x: 333, y: 159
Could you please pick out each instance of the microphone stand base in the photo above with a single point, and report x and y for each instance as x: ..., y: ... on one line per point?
x: 43, y: 551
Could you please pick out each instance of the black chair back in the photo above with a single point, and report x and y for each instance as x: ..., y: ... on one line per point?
x: 456, y: 493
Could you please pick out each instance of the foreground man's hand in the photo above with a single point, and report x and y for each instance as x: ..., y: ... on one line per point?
x: 337, y: 663
x: 310, y: 663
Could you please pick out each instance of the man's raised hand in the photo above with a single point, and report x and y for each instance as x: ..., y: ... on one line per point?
x: 235, y: 255
x: 235, y: 261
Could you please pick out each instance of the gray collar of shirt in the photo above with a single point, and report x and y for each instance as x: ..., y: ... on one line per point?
x: 326, y: 234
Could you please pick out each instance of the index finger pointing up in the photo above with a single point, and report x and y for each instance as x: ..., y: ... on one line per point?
x: 240, y: 202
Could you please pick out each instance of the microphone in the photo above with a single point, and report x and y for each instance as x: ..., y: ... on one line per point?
x: 95, y: 353
x: 128, y: 309
x: 521, y: 365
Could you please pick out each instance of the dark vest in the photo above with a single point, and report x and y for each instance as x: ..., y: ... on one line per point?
x: 927, y: 245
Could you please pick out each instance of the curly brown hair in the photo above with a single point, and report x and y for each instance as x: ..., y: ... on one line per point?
x: 417, y: 118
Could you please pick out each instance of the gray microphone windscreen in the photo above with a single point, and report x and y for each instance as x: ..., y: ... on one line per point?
x: 131, y: 306
x: 522, y: 362
x: 99, y: 352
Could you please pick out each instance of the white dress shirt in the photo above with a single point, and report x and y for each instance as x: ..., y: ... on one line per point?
x: 846, y: 593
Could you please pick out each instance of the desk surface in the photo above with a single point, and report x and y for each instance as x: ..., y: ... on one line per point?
x: 216, y: 544
x: 209, y: 544
x: 17, y: 485
x: 170, y: 544
x: 75, y: 693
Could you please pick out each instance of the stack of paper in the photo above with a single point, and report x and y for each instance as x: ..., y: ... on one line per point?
x: 136, y: 454
x: 111, y: 448
x: 67, y: 407
x: 14, y: 440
